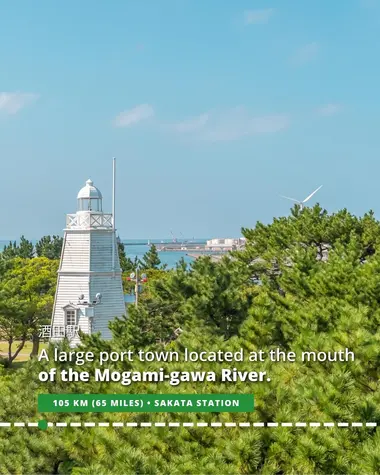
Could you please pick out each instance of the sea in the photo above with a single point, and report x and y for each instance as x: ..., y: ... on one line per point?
x: 138, y: 247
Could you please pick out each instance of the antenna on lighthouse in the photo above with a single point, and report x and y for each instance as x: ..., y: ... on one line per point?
x: 113, y: 189
x: 113, y: 211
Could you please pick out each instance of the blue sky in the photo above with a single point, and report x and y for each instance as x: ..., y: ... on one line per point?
x: 213, y: 109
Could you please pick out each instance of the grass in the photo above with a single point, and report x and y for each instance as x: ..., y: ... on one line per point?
x: 24, y: 353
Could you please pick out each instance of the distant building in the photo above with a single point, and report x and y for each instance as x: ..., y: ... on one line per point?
x: 224, y: 244
x: 89, y: 288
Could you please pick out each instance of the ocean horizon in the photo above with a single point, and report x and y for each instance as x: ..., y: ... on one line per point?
x: 138, y: 247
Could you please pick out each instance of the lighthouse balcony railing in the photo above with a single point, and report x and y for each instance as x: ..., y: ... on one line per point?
x: 89, y: 220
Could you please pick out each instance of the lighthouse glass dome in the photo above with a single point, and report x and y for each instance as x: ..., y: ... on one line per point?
x: 89, y: 198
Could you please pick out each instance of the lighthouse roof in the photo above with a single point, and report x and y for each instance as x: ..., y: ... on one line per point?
x: 89, y: 191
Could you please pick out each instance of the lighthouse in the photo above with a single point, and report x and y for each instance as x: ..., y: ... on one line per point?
x: 89, y: 291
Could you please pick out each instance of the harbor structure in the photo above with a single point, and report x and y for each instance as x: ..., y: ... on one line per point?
x: 219, y: 245
x: 224, y: 244
x: 89, y: 290
x: 180, y: 246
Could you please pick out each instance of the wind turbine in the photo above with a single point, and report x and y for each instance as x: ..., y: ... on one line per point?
x: 302, y: 203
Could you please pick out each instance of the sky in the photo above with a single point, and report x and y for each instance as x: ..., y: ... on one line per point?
x: 212, y: 109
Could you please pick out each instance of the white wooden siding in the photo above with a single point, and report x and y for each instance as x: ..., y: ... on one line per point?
x: 112, y: 305
x: 76, y: 252
x: 86, y: 268
x: 103, y: 245
x: 69, y: 287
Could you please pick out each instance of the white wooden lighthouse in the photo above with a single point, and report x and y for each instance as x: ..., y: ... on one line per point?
x: 89, y: 288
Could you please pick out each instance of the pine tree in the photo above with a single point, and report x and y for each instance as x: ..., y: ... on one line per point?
x: 9, y: 251
x: 50, y: 247
x: 25, y: 249
x: 126, y: 264
x: 151, y: 259
x: 307, y: 282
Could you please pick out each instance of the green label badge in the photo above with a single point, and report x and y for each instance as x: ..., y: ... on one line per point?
x: 145, y: 403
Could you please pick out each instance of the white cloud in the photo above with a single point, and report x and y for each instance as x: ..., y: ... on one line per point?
x: 306, y: 53
x: 329, y: 109
x: 231, y: 125
x: 13, y: 102
x: 253, y: 17
x: 192, y: 124
x: 133, y: 116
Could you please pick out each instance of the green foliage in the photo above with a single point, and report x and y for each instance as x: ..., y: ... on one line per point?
x: 26, y: 298
x: 150, y: 259
x: 25, y: 250
x: 126, y: 263
x: 50, y: 247
x: 308, y: 282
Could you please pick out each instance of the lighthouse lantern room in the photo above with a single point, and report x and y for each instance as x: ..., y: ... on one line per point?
x: 89, y: 287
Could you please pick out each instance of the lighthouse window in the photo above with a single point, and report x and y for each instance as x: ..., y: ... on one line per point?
x: 71, y: 318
